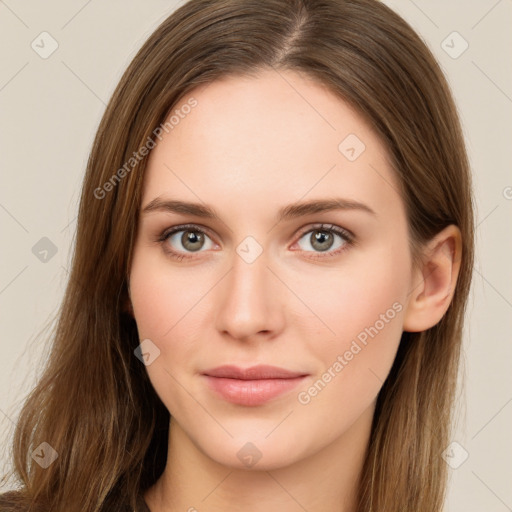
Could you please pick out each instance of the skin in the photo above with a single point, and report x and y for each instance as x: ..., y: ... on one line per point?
x: 250, y: 147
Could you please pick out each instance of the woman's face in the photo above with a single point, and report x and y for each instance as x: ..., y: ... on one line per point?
x: 318, y: 290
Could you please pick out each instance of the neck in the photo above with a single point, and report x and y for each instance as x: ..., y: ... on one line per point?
x: 326, y: 481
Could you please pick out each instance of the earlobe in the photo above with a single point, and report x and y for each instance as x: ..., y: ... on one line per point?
x: 434, y: 283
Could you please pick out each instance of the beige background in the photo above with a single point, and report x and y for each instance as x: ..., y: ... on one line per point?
x: 50, y: 109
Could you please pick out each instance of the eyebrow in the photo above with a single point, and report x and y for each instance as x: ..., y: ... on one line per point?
x: 290, y: 211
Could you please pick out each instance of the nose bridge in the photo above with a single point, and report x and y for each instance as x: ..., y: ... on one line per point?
x: 249, y: 302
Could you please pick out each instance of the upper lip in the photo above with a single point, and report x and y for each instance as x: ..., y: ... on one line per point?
x: 252, y: 372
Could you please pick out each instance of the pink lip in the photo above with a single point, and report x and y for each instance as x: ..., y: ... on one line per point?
x: 251, y: 386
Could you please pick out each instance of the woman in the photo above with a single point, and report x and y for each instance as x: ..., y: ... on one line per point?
x: 273, y: 257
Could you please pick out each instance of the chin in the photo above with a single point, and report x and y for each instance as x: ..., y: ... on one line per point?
x: 254, y: 453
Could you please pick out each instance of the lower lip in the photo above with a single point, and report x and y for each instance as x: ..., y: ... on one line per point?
x: 251, y: 392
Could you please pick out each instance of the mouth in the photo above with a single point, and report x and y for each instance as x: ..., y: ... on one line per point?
x: 251, y: 386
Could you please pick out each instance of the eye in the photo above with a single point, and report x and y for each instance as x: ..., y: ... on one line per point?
x: 180, y: 240
x: 325, y: 238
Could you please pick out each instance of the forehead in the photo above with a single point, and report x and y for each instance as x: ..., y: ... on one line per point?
x: 271, y: 138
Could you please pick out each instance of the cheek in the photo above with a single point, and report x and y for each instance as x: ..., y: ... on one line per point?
x: 362, y: 305
x: 162, y: 295
x: 363, y: 290
x: 155, y: 302
x: 161, y: 301
x: 164, y: 305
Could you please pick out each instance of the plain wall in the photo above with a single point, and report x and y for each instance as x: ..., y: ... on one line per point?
x: 50, y: 109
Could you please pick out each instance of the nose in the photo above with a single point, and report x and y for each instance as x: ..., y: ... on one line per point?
x: 250, y: 301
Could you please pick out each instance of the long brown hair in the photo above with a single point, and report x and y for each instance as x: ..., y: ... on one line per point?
x: 94, y: 403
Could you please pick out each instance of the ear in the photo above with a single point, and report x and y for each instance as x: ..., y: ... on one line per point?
x: 434, y: 282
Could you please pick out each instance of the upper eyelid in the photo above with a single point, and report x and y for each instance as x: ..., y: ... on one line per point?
x: 184, y: 227
x: 327, y: 227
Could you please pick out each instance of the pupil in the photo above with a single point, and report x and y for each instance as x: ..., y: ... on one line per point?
x: 190, y: 238
x: 320, y: 237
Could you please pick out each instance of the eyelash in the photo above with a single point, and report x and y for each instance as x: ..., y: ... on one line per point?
x: 347, y: 236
